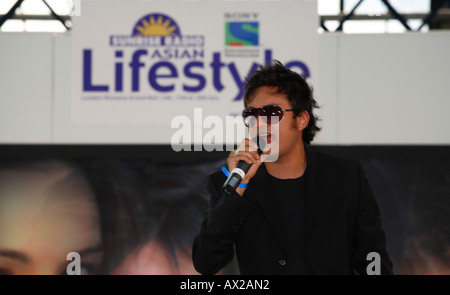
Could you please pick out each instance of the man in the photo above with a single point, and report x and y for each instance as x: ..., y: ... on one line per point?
x: 306, y: 212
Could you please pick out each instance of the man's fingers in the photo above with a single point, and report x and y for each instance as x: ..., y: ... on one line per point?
x: 246, y: 157
x: 249, y: 157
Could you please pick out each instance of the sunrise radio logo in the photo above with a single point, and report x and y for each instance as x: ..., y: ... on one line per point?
x: 157, y: 30
x: 156, y: 24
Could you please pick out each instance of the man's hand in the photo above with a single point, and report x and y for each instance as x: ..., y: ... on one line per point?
x: 248, y: 152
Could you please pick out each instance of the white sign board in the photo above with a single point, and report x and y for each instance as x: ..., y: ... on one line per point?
x: 142, y: 63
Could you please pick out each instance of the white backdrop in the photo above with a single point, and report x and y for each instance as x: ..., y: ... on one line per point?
x: 373, y: 89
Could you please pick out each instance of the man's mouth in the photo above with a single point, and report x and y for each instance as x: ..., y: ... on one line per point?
x: 267, y: 137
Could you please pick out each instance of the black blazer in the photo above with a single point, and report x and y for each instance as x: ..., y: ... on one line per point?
x: 343, y: 223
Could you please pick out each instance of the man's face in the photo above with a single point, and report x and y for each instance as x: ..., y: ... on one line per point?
x: 284, y: 136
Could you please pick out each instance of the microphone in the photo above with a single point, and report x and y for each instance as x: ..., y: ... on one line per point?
x: 238, y: 173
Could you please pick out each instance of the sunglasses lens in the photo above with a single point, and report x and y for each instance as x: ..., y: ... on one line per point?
x: 267, y: 113
x: 274, y: 112
x: 249, y: 116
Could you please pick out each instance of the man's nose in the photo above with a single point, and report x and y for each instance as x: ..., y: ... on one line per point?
x: 262, y: 124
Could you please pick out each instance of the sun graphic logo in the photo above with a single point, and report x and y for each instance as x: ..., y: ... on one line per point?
x: 156, y: 24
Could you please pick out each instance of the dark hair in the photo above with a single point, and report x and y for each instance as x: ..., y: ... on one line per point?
x: 288, y: 82
x: 118, y: 187
x: 152, y: 201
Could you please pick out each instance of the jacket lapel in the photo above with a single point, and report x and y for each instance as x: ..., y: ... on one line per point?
x: 316, y: 185
x: 264, y: 196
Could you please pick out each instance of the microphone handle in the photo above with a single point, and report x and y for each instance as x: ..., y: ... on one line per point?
x: 238, y: 173
x: 236, y: 176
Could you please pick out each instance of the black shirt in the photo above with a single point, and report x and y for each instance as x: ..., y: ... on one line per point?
x: 291, y: 196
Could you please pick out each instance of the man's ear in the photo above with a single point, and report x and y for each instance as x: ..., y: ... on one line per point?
x: 302, y: 120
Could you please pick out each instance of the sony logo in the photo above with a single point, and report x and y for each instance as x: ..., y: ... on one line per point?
x: 241, y: 15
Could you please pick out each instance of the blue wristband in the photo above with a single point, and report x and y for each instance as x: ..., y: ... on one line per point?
x: 227, y: 174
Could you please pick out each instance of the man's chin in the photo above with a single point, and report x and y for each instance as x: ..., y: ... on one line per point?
x: 269, y: 156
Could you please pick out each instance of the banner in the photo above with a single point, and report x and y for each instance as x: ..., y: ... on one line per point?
x: 63, y: 212
x: 141, y: 63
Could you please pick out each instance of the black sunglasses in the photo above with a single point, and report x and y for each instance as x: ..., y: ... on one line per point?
x: 266, y: 113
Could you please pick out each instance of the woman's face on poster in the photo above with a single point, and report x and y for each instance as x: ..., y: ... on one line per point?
x: 46, y: 212
x: 152, y: 258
